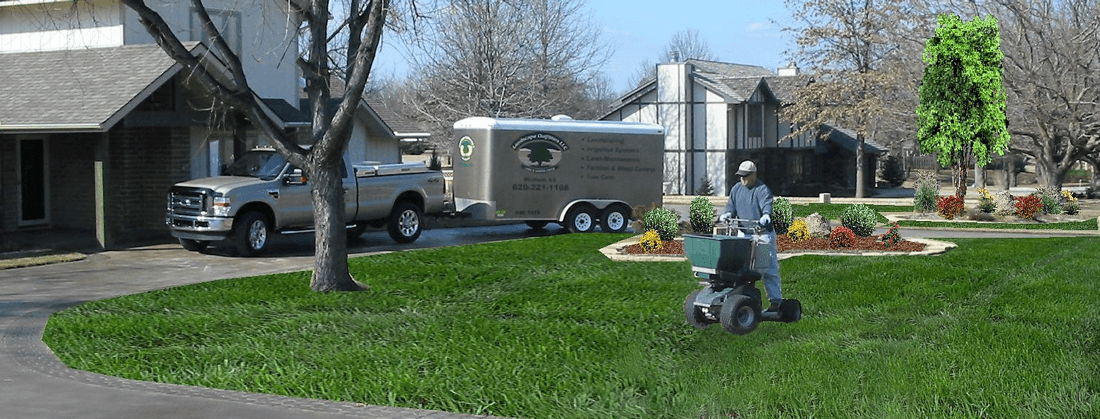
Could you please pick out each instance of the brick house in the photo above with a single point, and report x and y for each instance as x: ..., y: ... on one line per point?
x: 96, y: 122
x: 717, y: 114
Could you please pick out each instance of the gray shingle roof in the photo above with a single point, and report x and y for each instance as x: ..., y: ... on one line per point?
x: 83, y: 89
x: 729, y: 70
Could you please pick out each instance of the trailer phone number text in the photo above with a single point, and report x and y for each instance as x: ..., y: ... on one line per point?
x: 539, y: 187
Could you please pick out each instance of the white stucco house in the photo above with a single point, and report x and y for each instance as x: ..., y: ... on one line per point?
x: 718, y: 114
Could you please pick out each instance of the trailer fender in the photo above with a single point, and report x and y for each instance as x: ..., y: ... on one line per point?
x: 599, y: 204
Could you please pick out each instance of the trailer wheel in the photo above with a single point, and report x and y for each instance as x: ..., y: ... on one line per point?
x: 253, y: 232
x: 740, y: 314
x: 405, y: 222
x: 194, y: 245
x: 615, y: 218
x: 694, y: 314
x: 581, y: 219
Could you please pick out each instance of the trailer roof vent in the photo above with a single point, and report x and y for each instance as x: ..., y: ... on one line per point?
x: 561, y: 118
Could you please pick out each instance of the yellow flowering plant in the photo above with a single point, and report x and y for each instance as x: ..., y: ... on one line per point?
x: 798, y: 231
x: 651, y: 241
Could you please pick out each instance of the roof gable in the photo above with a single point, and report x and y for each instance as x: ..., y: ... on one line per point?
x: 84, y: 89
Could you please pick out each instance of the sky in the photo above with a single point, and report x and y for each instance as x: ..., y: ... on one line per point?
x: 737, y: 31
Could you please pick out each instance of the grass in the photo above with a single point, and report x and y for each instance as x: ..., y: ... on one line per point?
x: 549, y: 328
x: 833, y: 211
x: 23, y: 261
x: 1087, y: 225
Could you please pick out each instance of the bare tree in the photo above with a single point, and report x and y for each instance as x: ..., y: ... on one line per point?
x: 855, y: 56
x: 684, y: 45
x: 330, y: 135
x: 517, y: 58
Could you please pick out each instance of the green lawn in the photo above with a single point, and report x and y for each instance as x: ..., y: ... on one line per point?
x: 549, y: 328
x: 833, y: 211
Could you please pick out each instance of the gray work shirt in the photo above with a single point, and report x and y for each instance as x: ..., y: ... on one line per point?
x: 749, y: 203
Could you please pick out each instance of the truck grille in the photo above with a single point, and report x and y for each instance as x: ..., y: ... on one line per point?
x: 188, y: 201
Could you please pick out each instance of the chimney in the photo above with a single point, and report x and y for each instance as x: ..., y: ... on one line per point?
x: 790, y: 70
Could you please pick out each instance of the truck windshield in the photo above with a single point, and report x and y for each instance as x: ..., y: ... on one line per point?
x: 265, y: 165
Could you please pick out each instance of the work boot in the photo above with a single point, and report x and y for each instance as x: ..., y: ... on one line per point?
x: 773, y: 308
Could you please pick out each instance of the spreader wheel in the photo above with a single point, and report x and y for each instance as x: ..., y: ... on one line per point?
x: 694, y: 314
x: 791, y: 310
x: 740, y: 314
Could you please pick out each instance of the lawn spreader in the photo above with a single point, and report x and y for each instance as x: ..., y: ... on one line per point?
x: 727, y: 264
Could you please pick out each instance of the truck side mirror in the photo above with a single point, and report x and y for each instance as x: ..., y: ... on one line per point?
x: 295, y: 177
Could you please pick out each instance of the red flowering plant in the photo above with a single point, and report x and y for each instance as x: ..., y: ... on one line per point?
x: 1028, y: 206
x: 891, y: 237
x: 950, y: 206
x: 842, y: 237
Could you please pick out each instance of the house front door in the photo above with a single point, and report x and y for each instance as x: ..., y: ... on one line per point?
x: 33, y: 196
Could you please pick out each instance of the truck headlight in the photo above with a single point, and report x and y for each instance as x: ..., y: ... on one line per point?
x: 220, y: 206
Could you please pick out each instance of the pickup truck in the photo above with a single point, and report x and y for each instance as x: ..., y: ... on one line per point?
x: 261, y: 193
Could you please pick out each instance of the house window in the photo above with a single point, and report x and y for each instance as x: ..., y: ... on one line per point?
x: 755, y: 125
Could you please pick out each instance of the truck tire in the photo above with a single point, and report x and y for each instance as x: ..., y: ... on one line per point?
x: 615, y: 218
x: 581, y: 219
x: 405, y: 222
x: 355, y: 231
x: 194, y: 245
x: 253, y: 234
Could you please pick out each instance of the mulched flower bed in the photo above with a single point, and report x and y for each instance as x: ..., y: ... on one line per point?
x: 862, y: 245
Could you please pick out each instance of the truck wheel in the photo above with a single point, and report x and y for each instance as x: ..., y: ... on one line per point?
x: 194, y: 245
x: 615, y: 219
x: 740, y: 314
x: 253, y: 232
x: 581, y: 219
x: 405, y: 222
x: 694, y: 314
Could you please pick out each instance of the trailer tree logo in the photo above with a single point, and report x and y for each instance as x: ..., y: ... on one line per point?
x: 466, y: 149
x: 539, y: 152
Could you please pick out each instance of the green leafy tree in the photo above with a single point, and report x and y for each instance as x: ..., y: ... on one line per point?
x: 961, y: 114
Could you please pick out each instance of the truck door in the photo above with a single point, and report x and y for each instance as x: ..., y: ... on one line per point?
x: 351, y: 193
x: 294, y: 200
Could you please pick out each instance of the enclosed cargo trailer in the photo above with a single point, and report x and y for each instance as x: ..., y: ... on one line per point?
x: 577, y: 173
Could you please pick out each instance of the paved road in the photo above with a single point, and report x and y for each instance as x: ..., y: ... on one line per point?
x: 34, y: 384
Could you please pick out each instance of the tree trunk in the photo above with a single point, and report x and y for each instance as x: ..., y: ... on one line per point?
x: 979, y: 176
x: 861, y: 188
x: 330, y: 263
x: 1050, y: 173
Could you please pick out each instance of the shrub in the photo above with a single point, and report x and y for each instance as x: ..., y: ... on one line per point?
x: 891, y: 237
x: 705, y: 187
x: 1028, y: 206
x: 799, y: 231
x: 782, y: 215
x: 927, y: 188
x: 1004, y: 204
x: 651, y: 242
x: 860, y: 218
x: 986, y: 205
x: 1071, y: 205
x: 664, y: 221
x: 950, y: 206
x: 842, y: 237
x: 701, y: 215
x: 892, y: 172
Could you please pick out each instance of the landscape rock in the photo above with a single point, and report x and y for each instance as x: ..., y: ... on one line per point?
x: 818, y: 225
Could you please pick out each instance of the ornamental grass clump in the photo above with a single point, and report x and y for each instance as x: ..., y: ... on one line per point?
x: 663, y: 221
x: 799, y: 231
x: 651, y: 242
x: 927, y: 188
x: 1028, y: 206
x: 701, y: 215
x: 842, y: 237
x: 950, y: 207
x: 860, y: 218
x: 1051, y: 199
x: 782, y: 215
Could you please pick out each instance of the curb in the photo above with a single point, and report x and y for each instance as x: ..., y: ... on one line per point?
x: 614, y: 252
